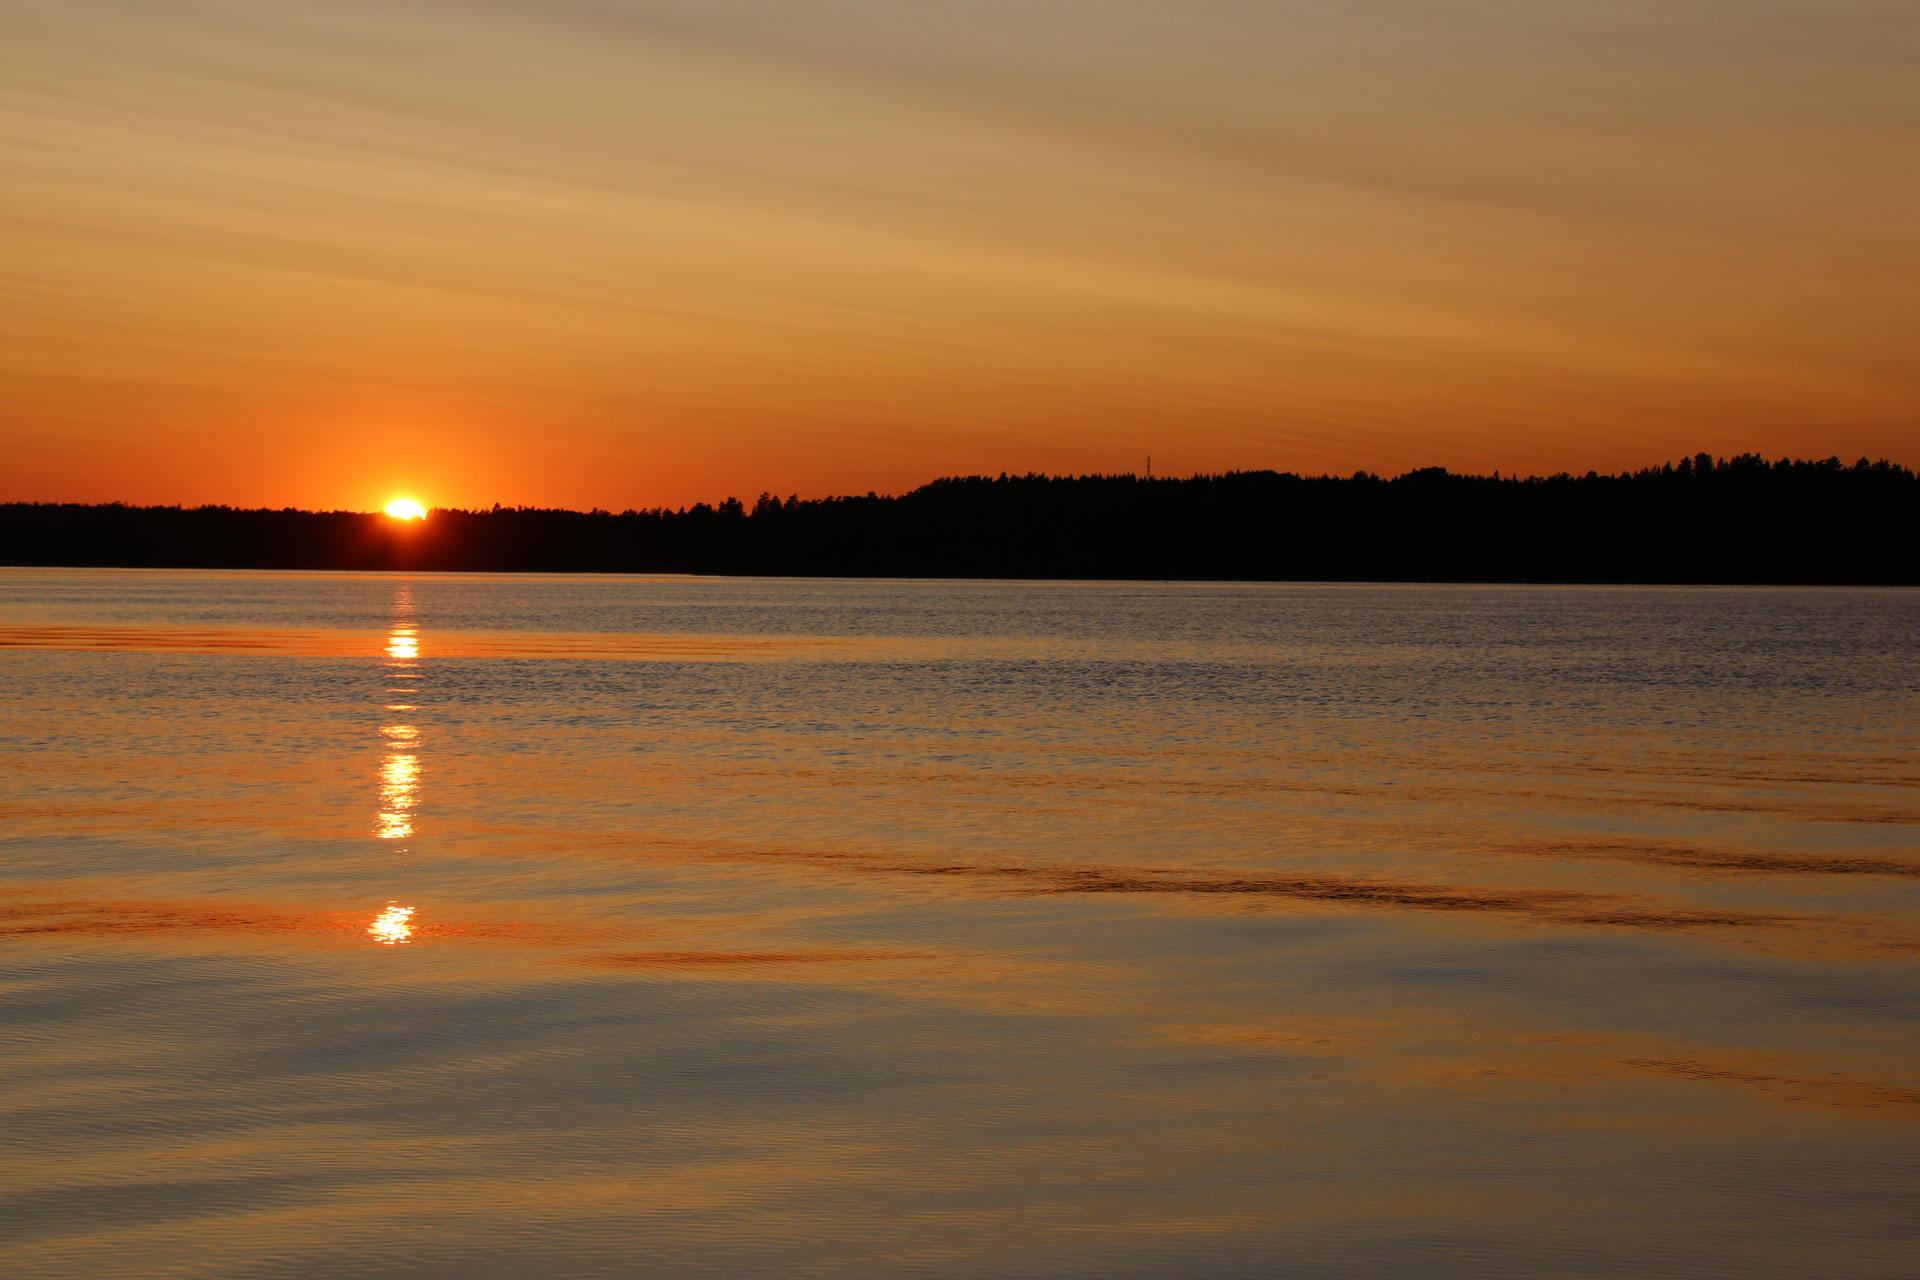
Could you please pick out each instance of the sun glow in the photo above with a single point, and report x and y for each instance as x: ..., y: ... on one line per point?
x: 406, y: 509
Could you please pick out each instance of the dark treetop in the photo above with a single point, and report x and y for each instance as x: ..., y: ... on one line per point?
x: 1701, y: 520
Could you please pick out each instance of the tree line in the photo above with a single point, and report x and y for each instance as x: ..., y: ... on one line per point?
x: 1707, y: 520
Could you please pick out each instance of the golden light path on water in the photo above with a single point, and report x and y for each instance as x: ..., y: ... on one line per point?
x: 399, y: 780
x: 399, y: 777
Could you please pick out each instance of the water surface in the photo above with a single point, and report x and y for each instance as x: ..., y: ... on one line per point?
x: 491, y: 926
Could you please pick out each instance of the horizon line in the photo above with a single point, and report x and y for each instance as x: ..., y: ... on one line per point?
x: 1698, y: 463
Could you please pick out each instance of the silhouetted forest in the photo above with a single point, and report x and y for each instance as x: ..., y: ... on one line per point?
x: 1734, y: 520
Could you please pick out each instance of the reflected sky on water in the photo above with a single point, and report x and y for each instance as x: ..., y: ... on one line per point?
x: 367, y: 925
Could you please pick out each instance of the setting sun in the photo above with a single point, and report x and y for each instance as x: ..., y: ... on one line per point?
x: 406, y: 509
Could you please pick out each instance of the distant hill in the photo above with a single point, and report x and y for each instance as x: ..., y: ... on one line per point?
x: 1738, y: 520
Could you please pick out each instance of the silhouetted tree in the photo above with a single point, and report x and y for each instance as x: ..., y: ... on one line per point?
x: 1696, y: 520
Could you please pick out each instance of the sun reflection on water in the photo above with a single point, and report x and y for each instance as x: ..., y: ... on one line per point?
x: 400, y: 769
x: 399, y: 785
x: 392, y: 927
x: 399, y: 776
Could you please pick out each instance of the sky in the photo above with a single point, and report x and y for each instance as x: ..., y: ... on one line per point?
x: 627, y: 253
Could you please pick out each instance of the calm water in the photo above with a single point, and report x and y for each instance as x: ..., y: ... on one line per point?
x: 478, y: 926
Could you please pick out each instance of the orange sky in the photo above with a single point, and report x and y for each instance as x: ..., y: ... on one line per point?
x: 626, y: 253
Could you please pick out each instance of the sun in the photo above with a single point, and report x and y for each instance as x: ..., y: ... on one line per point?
x: 406, y: 509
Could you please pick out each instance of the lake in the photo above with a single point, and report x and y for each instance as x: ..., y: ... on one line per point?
x: 380, y: 925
